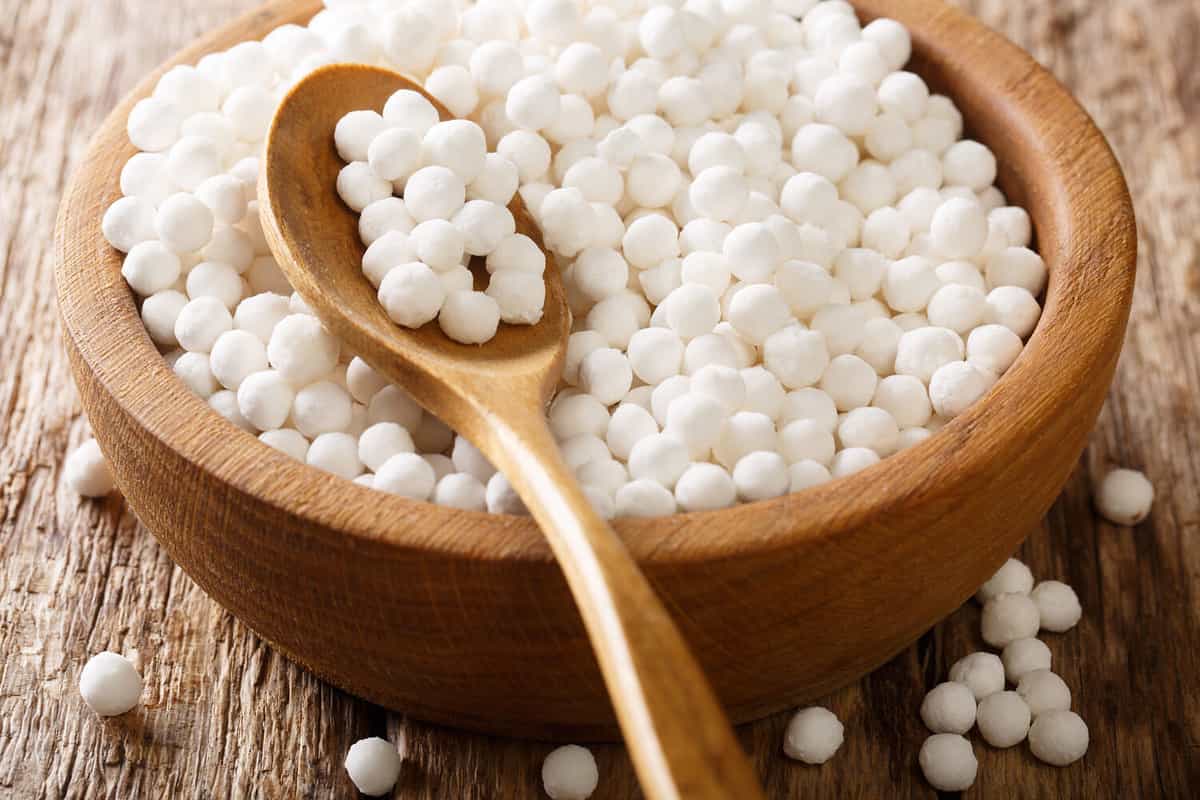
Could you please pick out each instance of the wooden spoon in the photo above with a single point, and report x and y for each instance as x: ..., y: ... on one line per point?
x: 495, y: 395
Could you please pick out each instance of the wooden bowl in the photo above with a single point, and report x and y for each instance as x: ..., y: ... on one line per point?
x: 463, y: 618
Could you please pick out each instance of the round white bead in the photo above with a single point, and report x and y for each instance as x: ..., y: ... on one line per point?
x: 1008, y: 617
x: 533, y: 103
x: 1022, y: 656
x: 850, y: 381
x: 825, y: 150
x: 655, y: 354
x: 458, y: 145
x: 969, y: 164
x: 265, y: 399
x: 288, y: 441
x: 373, y: 766
x: 454, y: 87
x: 852, y: 460
x: 381, y: 441
x: 1059, y: 738
x: 434, y: 192
x: 1013, y: 307
x: 517, y: 253
x: 1013, y: 577
x: 752, y: 252
x: 153, y: 124
x: 956, y: 386
x: 406, y: 474
x: 469, y: 317
x: 150, y: 267
x: 501, y: 498
x: 705, y: 487
x: 462, y: 491
x: 872, y: 428
x: 905, y: 398
x: 301, y: 349
x: 520, y: 296
x: 628, y: 426
x: 495, y: 66
x: 567, y: 221
x: 322, y: 407
x: 484, y: 225
x: 805, y: 474
x: 659, y: 457
x: 412, y: 294
x: 395, y: 154
x: 1125, y: 497
x: 1058, y: 606
x: 993, y: 347
x: 236, y: 355
x: 1044, y: 691
x: 570, y: 773
x: 652, y: 180
x: 110, y: 684
x: 761, y: 475
x: 183, y: 223
x: 813, y: 735
x: 948, y: 762
x: 86, y: 470
x: 743, y: 433
x: 949, y: 708
x: 359, y: 186
x: 797, y: 357
x: 644, y: 498
x: 219, y: 281
x: 922, y: 351
x: 1004, y: 719
x: 982, y: 673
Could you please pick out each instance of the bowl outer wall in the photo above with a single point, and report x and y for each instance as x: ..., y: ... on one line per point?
x: 463, y: 618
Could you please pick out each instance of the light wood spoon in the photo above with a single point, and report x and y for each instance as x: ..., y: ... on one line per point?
x: 495, y: 394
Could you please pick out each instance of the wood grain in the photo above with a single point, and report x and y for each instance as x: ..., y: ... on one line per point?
x: 78, y: 577
x: 495, y: 395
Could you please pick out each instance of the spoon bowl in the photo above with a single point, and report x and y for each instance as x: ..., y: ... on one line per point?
x: 303, y: 215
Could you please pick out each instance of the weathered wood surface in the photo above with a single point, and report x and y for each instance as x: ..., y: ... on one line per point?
x: 224, y: 716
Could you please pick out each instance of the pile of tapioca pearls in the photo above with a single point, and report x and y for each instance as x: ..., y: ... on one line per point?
x: 783, y: 262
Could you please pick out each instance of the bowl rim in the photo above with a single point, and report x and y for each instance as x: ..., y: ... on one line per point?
x: 1073, y: 190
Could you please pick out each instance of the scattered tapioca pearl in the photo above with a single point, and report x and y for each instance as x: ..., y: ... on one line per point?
x: 570, y: 773
x: 1044, y: 691
x: 1008, y: 617
x: 1124, y: 496
x: 1013, y: 607
x: 949, y: 708
x: 1012, y: 578
x: 110, y: 684
x: 373, y: 765
x: 1058, y: 606
x: 86, y: 471
x: 813, y: 735
x: 1004, y: 719
x: 1022, y: 656
x: 948, y: 762
x: 1058, y: 737
x: 982, y: 673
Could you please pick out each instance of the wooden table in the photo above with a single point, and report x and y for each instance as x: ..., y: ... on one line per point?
x: 224, y: 716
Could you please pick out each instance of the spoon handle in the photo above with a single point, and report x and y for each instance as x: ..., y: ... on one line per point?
x: 680, y: 741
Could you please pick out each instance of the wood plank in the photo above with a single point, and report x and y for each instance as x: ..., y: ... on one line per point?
x: 224, y: 716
